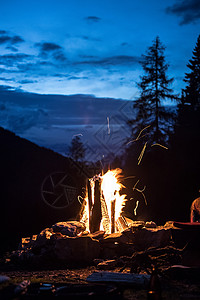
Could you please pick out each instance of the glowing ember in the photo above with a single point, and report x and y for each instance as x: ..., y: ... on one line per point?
x: 111, y: 202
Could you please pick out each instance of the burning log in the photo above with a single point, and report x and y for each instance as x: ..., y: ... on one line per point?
x: 96, y: 211
x: 89, y: 203
x: 113, y: 216
x: 105, y: 215
x: 104, y: 202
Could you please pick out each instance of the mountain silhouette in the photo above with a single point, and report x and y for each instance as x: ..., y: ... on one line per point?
x: 25, y: 171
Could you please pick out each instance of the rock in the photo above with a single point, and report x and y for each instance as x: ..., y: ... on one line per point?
x: 42, y: 238
x: 70, y: 228
x: 98, y: 235
x: 97, y: 261
x: 27, y: 242
x: 77, y: 249
x: 151, y: 237
x: 134, y: 224
x: 181, y: 272
x: 107, y: 264
x: 117, y: 237
x: 4, y: 279
x: 150, y: 224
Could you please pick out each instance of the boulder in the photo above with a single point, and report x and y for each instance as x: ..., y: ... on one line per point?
x: 42, y: 238
x: 27, y: 242
x: 76, y: 249
x: 70, y: 228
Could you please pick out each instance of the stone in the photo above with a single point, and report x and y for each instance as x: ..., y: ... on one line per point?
x: 134, y: 224
x: 117, y: 237
x: 76, y: 249
x: 42, y: 238
x: 27, y: 242
x: 150, y: 224
x: 98, y: 235
x: 4, y: 279
x: 70, y: 228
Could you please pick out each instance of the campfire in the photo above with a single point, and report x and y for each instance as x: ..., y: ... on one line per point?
x: 103, y: 232
x: 103, y: 203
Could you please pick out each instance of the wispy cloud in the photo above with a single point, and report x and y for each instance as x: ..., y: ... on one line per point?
x: 51, y: 49
x: 89, y: 38
x: 187, y: 10
x: 10, y: 60
x: 111, y: 61
x: 92, y: 19
x: 9, y: 39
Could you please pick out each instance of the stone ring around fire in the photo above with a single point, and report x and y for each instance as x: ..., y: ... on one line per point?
x: 58, y: 190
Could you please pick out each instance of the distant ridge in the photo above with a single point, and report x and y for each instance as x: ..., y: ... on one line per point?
x: 24, y: 165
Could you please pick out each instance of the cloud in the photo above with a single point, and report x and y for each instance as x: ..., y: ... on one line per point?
x: 48, y: 47
x: 92, y: 19
x: 51, y: 49
x: 77, y: 77
x: 87, y: 56
x: 20, y: 119
x: 11, y: 60
x: 27, y: 81
x: 7, y: 79
x: 14, y: 49
x: 187, y: 10
x: 124, y: 44
x: 88, y: 38
x: 20, y: 123
x: 113, y: 60
x: 3, y: 32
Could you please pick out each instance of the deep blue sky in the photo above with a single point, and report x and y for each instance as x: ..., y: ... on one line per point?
x: 92, y: 46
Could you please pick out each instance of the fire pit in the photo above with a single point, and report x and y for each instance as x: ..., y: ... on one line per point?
x: 103, y: 203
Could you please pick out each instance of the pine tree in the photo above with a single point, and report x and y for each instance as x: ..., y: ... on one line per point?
x: 192, y: 90
x: 77, y: 150
x: 154, y: 88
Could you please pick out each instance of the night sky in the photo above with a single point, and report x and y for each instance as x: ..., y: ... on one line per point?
x: 88, y: 47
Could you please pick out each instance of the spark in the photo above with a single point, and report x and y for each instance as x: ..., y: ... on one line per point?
x: 108, y: 120
x: 80, y: 199
x: 78, y: 134
x: 142, y: 131
x: 129, y: 177
x: 139, y: 135
x: 140, y: 191
x: 142, y: 153
x: 156, y: 144
x: 136, y: 206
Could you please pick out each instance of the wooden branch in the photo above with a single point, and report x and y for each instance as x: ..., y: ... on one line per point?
x: 105, y: 215
x: 89, y: 203
x: 96, y: 211
x: 125, y: 278
x: 112, y: 207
